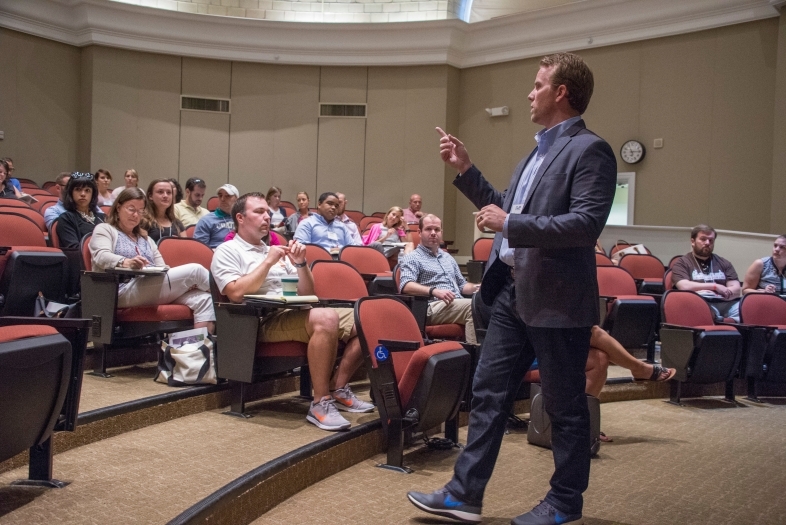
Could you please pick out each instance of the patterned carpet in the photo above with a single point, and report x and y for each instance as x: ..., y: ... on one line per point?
x: 706, y: 463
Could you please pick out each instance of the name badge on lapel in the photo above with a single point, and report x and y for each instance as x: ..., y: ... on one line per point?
x: 517, y: 208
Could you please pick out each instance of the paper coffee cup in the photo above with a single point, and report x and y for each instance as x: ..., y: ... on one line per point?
x: 289, y: 285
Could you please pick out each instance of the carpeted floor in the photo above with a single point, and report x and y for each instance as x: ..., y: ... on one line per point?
x: 706, y: 463
x: 127, y: 384
x: 152, y: 474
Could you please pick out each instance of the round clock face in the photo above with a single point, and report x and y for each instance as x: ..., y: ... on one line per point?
x: 632, y: 151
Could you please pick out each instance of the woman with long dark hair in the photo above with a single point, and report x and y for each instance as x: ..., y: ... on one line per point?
x: 81, y: 217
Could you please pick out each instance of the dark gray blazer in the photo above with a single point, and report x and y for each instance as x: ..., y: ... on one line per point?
x: 554, y: 236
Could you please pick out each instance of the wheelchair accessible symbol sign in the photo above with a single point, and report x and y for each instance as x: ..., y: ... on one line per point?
x: 381, y: 353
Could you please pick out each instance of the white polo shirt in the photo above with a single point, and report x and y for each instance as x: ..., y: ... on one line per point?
x: 236, y: 258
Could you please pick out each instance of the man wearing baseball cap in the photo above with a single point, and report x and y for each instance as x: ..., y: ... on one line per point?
x: 214, y: 227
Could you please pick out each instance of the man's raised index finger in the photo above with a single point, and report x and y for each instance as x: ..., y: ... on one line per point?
x: 441, y: 132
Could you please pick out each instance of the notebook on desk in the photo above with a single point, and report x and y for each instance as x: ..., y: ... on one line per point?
x: 284, y: 299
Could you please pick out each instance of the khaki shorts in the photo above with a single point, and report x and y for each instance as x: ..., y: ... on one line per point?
x: 290, y: 325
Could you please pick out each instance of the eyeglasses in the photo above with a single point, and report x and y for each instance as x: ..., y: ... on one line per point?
x: 132, y: 211
x: 11, y: 170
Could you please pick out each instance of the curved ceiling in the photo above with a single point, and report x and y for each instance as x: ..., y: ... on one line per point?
x: 508, y: 30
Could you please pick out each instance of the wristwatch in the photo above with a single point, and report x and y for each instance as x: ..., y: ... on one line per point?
x: 300, y: 265
x: 431, y: 291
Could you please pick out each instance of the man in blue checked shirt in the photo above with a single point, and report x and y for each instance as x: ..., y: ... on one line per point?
x: 430, y: 271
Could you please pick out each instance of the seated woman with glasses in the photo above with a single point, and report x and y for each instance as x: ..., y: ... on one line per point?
x: 79, y: 218
x: 122, y: 242
x: 159, y: 219
x: 7, y: 190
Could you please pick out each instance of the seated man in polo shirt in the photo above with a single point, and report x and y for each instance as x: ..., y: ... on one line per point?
x: 428, y: 270
x: 412, y: 213
x: 190, y: 210
x: 213, y: 228
x: 709, y: 275
x: 245, y: 265
x: 323, y: 229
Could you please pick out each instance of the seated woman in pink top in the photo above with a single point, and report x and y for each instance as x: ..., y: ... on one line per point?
x: 391, y: 230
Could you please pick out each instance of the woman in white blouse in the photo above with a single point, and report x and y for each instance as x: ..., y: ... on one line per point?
x: 121, y: 242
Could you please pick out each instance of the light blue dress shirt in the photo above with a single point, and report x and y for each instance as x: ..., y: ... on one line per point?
x: 316, y: 230
x: 545, y: 139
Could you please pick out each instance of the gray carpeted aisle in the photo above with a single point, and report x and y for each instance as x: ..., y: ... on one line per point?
x: 707, y: 463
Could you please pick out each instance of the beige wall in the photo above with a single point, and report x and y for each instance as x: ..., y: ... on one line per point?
x: 135, y: 114
x: 39, y: 105
x: 711, y: 96
x: 708, y: 95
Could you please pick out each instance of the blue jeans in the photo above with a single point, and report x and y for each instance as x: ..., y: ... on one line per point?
x: 508, y: 351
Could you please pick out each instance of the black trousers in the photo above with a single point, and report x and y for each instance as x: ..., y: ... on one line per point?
x: 508, y: 351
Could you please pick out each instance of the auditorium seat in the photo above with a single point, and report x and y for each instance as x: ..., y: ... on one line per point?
x: 27, y: 183
x: 366, y: 260
x: 190, y: 231
x: 7, y: 204
x: 765, y: 360
x: 212, y: 203
x: 417, y: 387
x: 336, y: 281
x: 18, y: 230
x: 41, y: 364
x: 602, y: 260
x: 645, y: 268
x: 178, y: 251
x: 481, y: 251
x: 628, y: 317
x: 288, y: 206
x: 242, y: 360
x: 355, y: 215
x: 365, y: 222
x: 113, y: 326
x: 621, y: 245
x: 27, y: 270
x: 314, y: 252
x: 44, y: 203
x: 701, y: 351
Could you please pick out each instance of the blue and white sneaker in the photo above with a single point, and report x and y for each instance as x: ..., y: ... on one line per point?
x: 545, y: 514
x: 442, y: 503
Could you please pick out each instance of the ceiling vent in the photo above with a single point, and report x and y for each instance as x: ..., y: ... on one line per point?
x: 213, y: 105
x: 342, y: 110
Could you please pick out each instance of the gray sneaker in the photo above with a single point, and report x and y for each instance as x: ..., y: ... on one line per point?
x: 323, y: 414
x: 348, y: 401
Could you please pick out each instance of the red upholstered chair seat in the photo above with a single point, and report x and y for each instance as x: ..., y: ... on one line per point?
x: 409, y: 379
x: 445, y: 331
x: 162, y: 312
x: 282, y: 349
x: 532, y: 376
x: 14, y: 333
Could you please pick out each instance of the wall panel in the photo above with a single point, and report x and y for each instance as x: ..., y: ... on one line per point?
x: 39, y: 105
x: 136, y: 113
x: 274, y: 128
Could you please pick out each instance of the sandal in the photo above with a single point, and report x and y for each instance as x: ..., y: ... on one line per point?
x: 660, y: 373
x: 604, y: 438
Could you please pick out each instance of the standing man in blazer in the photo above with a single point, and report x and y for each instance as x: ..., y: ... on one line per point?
x: 541, y: 284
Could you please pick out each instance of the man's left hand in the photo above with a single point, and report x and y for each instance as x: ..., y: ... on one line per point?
x: 491, y: 217
x: 297, y: 252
